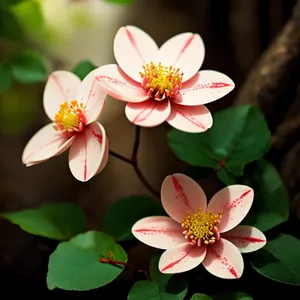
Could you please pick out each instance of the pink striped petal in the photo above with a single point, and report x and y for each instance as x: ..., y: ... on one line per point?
x: 224, y: 260
x: 92, y: 96
x: 118, y: 85
x: 205, y: 87
x: 185, y: 51
x: 160, y: 232
x: 246, y: 238
x: 105, y: 157
x: 149, y: 113
x: 133, y: 48
x: 192, y: 119
x: 87, y: 152
x: 45, y: 144
x: 181, y: 194
x: 181, y: 258
x: 61, y: 86
x: 235, y: 201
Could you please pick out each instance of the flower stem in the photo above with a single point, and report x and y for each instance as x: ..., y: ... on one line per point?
x: 125, y: 264
x: 134, y: 161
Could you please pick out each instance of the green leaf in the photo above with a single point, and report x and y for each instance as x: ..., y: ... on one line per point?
x: 31, y: 17
x: 58, y: 221
x: 226, y: 177
x: 76, y: 266
x: 239, y: 136
x: 83, y: 68
x: 168, y: 287
x: 200, y: 297
x: 122, y: 214
x: 232, y: 296
x: 279, y: 259
x: 271, y: 203
x: 9, y: 26
x: 153, y: 267
x: 28, y: 67
x: 5, y: 77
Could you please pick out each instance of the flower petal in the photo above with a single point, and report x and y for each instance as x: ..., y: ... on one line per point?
x: 149, y: 113
x: 118, y: 85
x: 61, y: 86
x: 160, y: 232
x: 224, y: 260
x: 105, y: 157
x: 181, y: 194
x: 46, y: 143
x: 185, y: 51
x: 235, y: 202
x: 87, y: 152
x: 246, y: 238
x: 190, y: 118
x: 133, y: 48
x: 205, y: 87
x: 92, y: 96
x: 181, y: 258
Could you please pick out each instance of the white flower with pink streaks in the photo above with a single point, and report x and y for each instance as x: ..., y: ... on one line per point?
x: 73, y: 106
x: 163, y: 84
x: 198, y: 233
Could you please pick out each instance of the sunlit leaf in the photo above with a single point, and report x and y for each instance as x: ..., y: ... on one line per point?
x: 75, y: 265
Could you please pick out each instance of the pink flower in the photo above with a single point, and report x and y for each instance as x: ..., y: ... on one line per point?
x: 163, y: 84
x: 72, y: 106
x: 199, y: 233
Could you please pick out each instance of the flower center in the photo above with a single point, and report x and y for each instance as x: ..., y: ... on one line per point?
x: 70, y: 118
x: 201, y: 227
x: 160, y: 81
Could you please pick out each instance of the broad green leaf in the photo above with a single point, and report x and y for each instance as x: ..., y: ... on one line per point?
x: 10, y: 28
x: 200, y: 297
x: 58, y: 221
x: 28, y: 67
x: 226, y: 177
x: 83, y: 68
x: 271, y: 203
x: 232, y: 296
x: 168, y: 287
x: 279, y: 259
x: 75, y: 265
x: 239, y: 136
x: 5, y: 77
x: 122, y: 214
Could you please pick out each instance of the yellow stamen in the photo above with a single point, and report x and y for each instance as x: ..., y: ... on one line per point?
x: 160, y: 81
x: 201, y: 227
x: 71, y: 117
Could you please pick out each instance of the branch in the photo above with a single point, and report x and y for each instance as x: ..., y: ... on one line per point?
x: 134, y: 162
x: 270, y: 75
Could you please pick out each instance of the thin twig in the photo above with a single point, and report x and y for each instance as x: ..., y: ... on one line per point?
x: 134, y: 162
x: 120, y: 157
